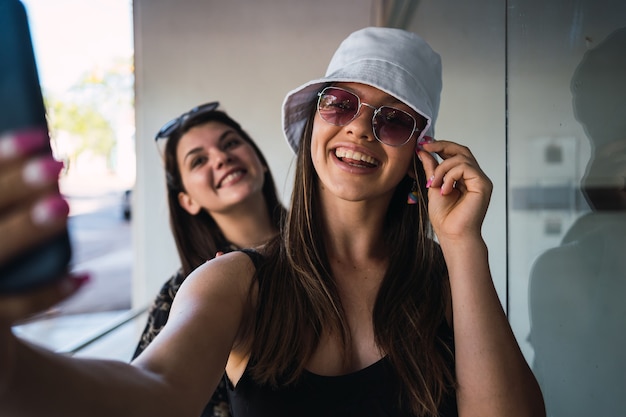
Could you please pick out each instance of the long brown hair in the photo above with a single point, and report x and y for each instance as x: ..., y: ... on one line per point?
x: 198, y: 238
x: 298, y: 300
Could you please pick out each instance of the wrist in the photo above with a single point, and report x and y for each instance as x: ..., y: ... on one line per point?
x: 462, y: 242
x: 463, y: 252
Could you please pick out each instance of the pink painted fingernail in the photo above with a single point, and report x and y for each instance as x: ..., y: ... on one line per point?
x: 424, y: 140
x: 430, y: 181
x: 42, y: 171
x: 73, y: 283
x: 23, y: 142
x: 81, y: 279
x: 49, y: 210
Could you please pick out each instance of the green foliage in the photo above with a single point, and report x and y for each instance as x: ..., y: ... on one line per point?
x: 84, y: 123
x: 84, y: 118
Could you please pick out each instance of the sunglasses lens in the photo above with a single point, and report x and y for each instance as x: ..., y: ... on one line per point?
x: 167, y: 129
x: 337, y: 107
x: 393, y: 126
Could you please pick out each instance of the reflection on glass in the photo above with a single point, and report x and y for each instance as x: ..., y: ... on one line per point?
x: 577, y: 290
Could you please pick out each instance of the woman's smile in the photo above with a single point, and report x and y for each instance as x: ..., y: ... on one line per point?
x: 231, y: 178
x: 356, y: 158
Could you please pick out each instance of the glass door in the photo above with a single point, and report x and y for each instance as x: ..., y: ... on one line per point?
x: 566, y: 99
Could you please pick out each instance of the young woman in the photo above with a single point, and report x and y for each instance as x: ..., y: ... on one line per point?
x: 353, y: 309
x: 221, y: 197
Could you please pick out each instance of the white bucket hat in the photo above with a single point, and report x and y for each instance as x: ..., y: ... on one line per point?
x: 398, y: 62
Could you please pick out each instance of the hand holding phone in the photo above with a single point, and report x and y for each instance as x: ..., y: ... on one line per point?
x: 24, y: 145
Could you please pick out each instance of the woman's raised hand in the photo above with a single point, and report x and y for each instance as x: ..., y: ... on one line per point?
x: 459, y: 191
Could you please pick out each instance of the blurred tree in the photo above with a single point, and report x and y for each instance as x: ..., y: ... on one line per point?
x: 85, y: 125
x: 85, y: 118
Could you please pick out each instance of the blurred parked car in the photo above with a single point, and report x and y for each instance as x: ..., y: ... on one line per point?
x: 127, y: 204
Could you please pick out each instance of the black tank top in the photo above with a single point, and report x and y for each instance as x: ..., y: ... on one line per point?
x: 365, y: 393
x: 368, y: 392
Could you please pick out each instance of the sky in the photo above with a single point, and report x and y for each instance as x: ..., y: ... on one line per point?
x: 71, y: 37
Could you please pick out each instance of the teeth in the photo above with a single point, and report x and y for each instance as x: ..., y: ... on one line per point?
x: 357, y: 156
x: 231, y: 177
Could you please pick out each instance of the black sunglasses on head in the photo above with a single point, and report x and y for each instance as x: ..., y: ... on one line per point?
x: 169, y: 127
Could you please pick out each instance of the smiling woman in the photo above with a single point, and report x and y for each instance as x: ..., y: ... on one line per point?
x: 221, y: 196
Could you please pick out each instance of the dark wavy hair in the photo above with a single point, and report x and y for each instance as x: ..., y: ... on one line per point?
x: 298, y: 300
x: 198, y: 238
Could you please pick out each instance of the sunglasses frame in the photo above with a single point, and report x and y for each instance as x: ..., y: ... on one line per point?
x: 168, y: 128
x: 377, y: 110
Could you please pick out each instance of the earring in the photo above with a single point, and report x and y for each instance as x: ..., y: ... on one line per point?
x: 412, y: 196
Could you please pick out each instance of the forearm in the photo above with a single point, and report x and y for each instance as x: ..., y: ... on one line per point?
x: 45, y: 383
x: 493, y: 376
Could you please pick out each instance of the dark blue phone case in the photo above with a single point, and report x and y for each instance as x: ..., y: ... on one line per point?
x: 22, y: 107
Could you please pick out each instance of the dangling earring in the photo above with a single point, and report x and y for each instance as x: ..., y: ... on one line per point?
x: 412, y: 197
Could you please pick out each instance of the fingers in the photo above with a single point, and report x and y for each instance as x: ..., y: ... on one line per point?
x: 46, y: 218
x: 25, y: 167
x: 22, y: 179
x: 32, y: 211
x: 446, y: 149
x: 457, y: 168
x: 31, y: 208
x: 25, y: 142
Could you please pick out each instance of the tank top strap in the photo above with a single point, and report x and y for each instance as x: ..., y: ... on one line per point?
x: 254, y: 256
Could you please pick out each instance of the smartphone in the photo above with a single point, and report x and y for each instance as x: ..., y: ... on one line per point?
x: 22, y: 107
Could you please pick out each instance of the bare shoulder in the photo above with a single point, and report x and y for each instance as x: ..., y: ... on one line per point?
x: 228, y: 274
x: 203, y: 326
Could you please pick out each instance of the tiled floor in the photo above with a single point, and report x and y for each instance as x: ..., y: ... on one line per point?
x: 107, y: 335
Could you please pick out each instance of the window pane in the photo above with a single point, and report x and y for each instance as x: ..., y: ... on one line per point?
x: 567, y: 199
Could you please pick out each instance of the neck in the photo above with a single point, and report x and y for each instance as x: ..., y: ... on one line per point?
x: 354, y: 231
x: 248, y: 225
